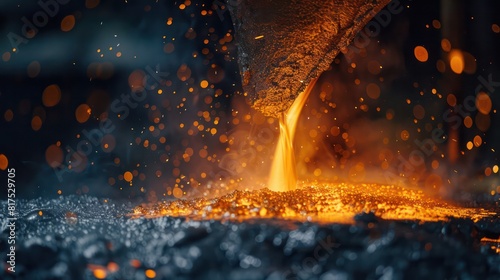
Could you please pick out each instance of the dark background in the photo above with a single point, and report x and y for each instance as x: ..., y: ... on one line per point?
x: 139, y: 30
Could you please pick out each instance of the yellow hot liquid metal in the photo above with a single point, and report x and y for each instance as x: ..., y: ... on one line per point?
x: 318, y: 202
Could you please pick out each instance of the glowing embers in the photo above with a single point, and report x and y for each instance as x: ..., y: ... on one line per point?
x: 283, y: 176
x: 322, y: 202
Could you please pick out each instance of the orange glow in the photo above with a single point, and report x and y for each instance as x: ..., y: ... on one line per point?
x: 405, y: 135
x: 283, y: 174
x: 446, y: 45
x: 67, y: 23
x: 478, y: 141
x: 4, y: 162
x: 51, y: 96
x: 457, y: 61
x: 8, y: 115
x: 6, y: 56
x: 495, y: 28
x: 150, y: 273
x: 34, y: 69
x: 204, y: 84
x: 373, y: 91
x: 36, y: 123
x: 319, y: 202
x: 421, y: 53
x: 468, y: 122
x: 100, y: 273
x: 177, y: 192
x: 90, y: 4
x: 483, y: 103
x: 82, y: 113
x: 136, y: 79
x: 128, y: 176
x: 54, y: 156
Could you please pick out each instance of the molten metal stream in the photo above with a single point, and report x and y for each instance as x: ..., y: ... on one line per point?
x: 283, y: 176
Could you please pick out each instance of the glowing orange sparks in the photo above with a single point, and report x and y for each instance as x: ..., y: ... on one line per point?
x: 283, y: 176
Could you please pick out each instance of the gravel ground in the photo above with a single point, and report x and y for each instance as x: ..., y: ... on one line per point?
x: 82, y: 237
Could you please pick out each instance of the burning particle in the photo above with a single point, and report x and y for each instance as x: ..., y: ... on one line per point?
x: 169, y: 48
x: 51, y: 96
x: 405, y: 135
x: 421, y: 53
x: 470, y: 64
x: 495, y: 169
x: 468, y: 122
x: 4, y: 162
x: 36, y: 123
x: 67, y: 23
x: 100, y: 273
x: 317, y: 172
x: 128, y: 176
x: 34, y: 69
x: 150, y: 273
x: 483, y: 103
x: 90, y: 4
x: 170, y: 21
x: 323, y: 202
x: 259, y: 37
x: 6, y: 56
x: 495, y: 28
x: 177, y: 192
x: 8, y: 115
x: 487, y: 172
x: 54, y: 156
x: 483, y: 122
x: 373, y: 91
x: 113, y: 267
x: 441, y: 66
x: 108, y: 143
x: 436, y: 24
x: 457, y: 61
x: 59, y: 192
x: 82, y: 113
x: 204, y: 84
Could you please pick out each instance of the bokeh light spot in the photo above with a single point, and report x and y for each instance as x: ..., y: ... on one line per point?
x: 4, y: 162
x: 421, y: 53
x: 54, y: 156
x: 67, y: 23
x: 82, y: 113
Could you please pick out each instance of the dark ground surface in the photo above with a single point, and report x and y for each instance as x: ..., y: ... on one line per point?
x: 77, y: 234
